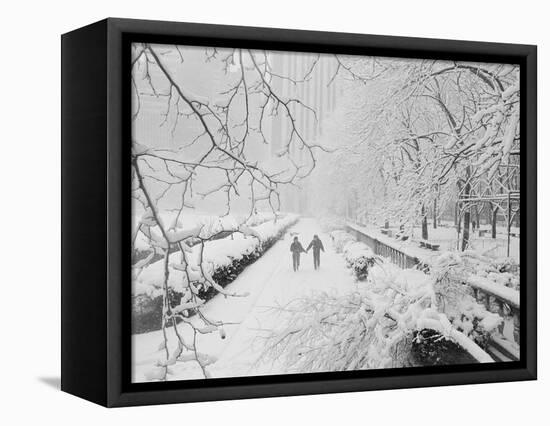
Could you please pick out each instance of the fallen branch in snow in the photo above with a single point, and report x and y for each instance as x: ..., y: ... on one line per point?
x: 376, y: 326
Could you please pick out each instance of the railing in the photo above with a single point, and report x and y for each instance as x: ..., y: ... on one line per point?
x: 507, y: 306
x: 399, y: 257
x: 504, y: 346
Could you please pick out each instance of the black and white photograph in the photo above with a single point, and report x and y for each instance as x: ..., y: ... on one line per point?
x: 297, y: 212
x: 240, y: 213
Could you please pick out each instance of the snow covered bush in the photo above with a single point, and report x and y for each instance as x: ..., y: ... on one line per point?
x: 216, y: 227
x: 359, y: 257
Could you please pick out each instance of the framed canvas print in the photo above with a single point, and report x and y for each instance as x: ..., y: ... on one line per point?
x: 253, y: 212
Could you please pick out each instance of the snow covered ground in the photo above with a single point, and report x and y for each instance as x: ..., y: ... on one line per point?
x: 270, y: 283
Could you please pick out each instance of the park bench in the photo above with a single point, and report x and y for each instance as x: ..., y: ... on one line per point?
x: 384, y: 231
x: 429, y: 245
x: 401, y: 235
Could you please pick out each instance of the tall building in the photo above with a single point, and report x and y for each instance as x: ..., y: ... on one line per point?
x: 310, y: 78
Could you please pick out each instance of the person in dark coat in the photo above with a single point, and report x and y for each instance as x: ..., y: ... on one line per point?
x: 317, y: 246
x: 296, y: 248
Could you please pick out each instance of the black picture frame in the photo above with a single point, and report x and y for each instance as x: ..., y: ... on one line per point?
x: 96, y: 212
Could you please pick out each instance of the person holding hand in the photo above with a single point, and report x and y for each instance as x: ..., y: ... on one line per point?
x: 317, y: 246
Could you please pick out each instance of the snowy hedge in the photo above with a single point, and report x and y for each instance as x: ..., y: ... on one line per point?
x: 222, y: 261
x: 142, y: 244
x: 359, y: 257
x: 264, y: 236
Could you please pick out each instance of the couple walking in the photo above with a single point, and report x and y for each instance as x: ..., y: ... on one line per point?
x: 296, y: 248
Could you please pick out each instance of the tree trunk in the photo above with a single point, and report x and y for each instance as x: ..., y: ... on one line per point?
x: 435, y: 213
x: 494, y: 223
x: 424, y: 223
x: 456, y: 215
x: 457, y: 222
x: 466, y: 230
x: 386, y: 224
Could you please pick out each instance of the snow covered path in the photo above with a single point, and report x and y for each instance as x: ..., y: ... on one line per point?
x: 271, y: 282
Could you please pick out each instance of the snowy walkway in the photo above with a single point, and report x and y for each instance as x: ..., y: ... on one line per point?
x: 271, y: 282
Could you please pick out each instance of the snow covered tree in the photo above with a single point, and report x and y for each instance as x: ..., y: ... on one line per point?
x: 420, y: 133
